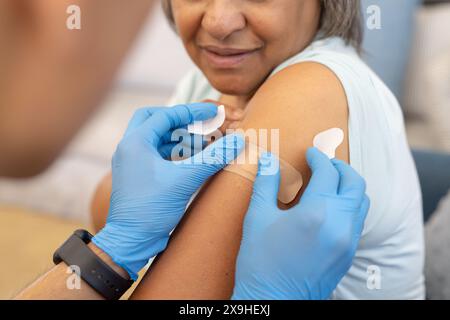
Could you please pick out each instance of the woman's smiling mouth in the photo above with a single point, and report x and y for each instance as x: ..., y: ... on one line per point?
x: 226, y: 58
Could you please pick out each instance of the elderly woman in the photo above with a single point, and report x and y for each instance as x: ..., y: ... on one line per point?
x: 291, y: 65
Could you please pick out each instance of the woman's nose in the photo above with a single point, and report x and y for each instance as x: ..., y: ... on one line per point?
x: 222, y: 19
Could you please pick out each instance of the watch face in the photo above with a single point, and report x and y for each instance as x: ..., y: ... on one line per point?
x: 83, y: 235
x: 56, y: 257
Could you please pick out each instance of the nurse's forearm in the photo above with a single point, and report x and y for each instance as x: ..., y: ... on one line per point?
x: 59, y: 283
x: 199, y: 261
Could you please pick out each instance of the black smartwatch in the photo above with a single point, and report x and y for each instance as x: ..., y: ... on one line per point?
x: 99, y: 275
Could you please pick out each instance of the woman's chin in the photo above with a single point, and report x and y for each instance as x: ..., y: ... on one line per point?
x: 232, y: 86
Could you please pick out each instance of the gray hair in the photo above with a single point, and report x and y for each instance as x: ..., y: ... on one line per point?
x: 342, y: 18
x: 339, y: 18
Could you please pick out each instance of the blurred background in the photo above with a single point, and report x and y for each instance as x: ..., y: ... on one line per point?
x: 411, y: 52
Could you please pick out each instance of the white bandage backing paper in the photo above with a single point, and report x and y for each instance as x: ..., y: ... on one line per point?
x: 328, y: 141
x: 207, y: 127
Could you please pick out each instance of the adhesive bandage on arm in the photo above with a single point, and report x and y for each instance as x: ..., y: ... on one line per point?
x: 246, y: 165
x: 291, y: 179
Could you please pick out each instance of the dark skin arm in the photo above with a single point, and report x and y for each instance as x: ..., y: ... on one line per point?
x: 200, y: 259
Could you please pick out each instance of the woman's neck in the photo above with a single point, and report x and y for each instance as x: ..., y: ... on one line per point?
x: 239, y: 102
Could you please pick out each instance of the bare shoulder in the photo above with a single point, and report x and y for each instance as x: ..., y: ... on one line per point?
x: 302, y: 90
x: 301, y: 101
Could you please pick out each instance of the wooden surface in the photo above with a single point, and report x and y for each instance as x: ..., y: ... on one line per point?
x: 27, y: 243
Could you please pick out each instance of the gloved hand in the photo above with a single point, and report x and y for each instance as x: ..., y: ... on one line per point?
x: 301, y: 253
x: 150, y: 194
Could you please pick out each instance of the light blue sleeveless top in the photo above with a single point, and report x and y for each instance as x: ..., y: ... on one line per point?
x: 390, y: 258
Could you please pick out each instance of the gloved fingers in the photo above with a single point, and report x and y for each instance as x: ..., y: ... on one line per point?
x: 163, y: 121
x: 173, y: 136
x: 185, y: 144
x: 140, y: 116
x: 187, y: 139
x: 267, y: 181
x: 263, y: 209
x: 216, y: 156
x: 325, y: 177
x: 364, y: 209
x: 165, y: 150
x: 351, y: 184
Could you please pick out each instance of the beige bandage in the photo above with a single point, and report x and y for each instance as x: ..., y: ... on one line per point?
x: 246, y: 165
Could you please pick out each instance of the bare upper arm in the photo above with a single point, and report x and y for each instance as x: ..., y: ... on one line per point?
x: 300, y: 101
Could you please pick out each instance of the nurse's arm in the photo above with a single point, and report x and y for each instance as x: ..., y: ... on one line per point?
x: 59, y: 283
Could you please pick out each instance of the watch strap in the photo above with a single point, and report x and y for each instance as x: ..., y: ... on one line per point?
x: 99, y: 275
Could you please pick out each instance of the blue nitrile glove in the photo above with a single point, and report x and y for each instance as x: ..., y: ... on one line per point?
x: 150, y: 194
x: 301, y: 253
